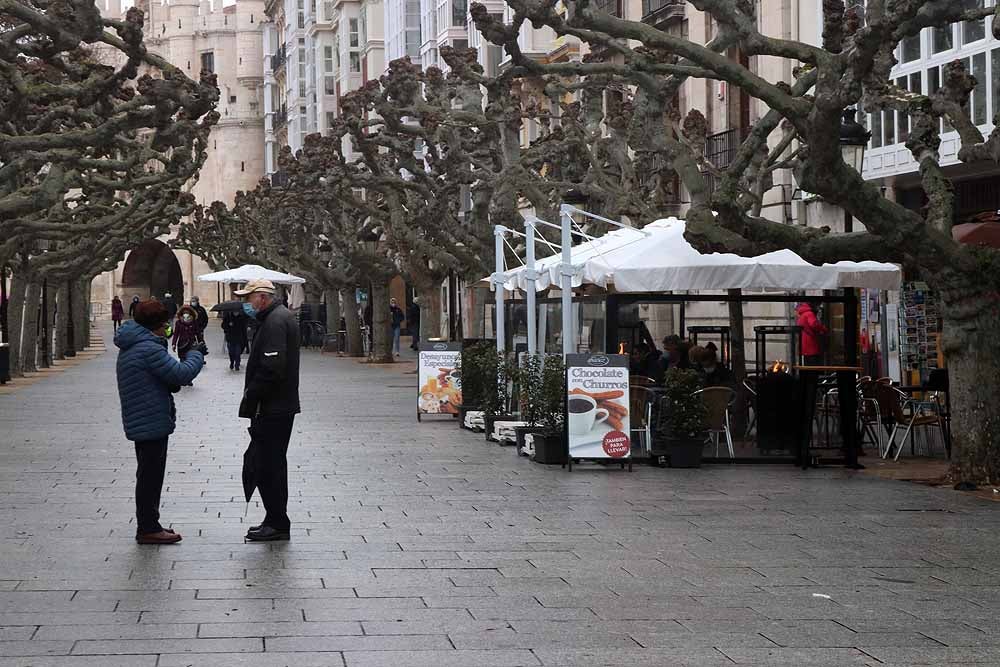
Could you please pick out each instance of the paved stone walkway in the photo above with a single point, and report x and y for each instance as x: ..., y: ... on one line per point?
x: 420, y: 545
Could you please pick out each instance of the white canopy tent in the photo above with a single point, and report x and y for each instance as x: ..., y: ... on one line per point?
x: 248, y: 272
x: 659, y: 259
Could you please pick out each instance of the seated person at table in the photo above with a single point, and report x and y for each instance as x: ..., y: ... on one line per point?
x: 675, y: 353
x: 713, y: 374
x: 646, y: 361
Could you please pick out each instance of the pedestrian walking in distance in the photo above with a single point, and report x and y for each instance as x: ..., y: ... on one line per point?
x: 131, y: 306
x: 813, y: 332
x: 413, y: 321
x: 397, y: 317
x: 148, y: 376
x: 201, y: 317
x: 234, y: 326
x: 270, y: 402
x: 117, y: 311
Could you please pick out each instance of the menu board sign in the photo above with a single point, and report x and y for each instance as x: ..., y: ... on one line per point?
x: 597, y: 406
x: 439, y: 381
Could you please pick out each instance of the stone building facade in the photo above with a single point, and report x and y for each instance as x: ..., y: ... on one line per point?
x: 194, y: 36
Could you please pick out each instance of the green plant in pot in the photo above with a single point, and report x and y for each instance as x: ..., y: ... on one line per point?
x: 474, y: 368
x: 529, y: 380
x: 499, y: 374
x: 684, y: 418
x: 548, y: 395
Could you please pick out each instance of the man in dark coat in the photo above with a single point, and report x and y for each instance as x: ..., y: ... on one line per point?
x: 201, y: 317
x: 234, y: 324
x: 413, y: 322
x: 170, y: 304
x: 270, y: 402
x: 147, y: 376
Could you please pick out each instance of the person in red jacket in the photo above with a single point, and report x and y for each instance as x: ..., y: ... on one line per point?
x: 812, y: 334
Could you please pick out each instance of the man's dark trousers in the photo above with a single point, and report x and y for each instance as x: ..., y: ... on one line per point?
x: 269, y: 437
x: 151, y: 457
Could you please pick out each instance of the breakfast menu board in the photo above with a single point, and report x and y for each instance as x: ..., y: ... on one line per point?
x: 597, y: 406
x: 439, y: 381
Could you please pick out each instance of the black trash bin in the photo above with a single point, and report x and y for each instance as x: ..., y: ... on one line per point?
x: 779, y: 427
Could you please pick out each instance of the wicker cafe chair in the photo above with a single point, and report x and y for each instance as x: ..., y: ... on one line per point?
x: 640, y: 420
x: 869, y: 414
x: 718, y: 402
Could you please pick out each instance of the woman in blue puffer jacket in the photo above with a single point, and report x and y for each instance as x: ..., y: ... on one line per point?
x: 147, y: 377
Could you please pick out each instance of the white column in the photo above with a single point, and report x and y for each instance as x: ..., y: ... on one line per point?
x: 566, y: 273
x: 529, y: 272
x: 498, y: 232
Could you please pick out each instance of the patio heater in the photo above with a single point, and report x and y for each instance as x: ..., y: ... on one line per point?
x: 761, y: 335
x: 722, y: 332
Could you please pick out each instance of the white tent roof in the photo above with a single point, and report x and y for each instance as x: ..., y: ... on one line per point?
x: 248, y: 272
x: 661, y: 260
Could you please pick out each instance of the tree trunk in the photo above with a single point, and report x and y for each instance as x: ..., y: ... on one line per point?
x: 738, y: 351
x: 15, y: 321
x: 62, y: 321
x: 4, y: 336
x: 355, y: 346
x: 80, y: 324
x: 430, y: 312
x: 381, y: 323
x: 974, y: 383
x: 85, y: 289
x: 45, y: 330
x: 29, y: 338
x: 332, y: 311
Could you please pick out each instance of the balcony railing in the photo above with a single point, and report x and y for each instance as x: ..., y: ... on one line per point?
x: 659, y: 11
x: 721, y: 148
x: 279, y: 179
x: 279, y: 58
x: 613, y: 7
x: 280, y: 117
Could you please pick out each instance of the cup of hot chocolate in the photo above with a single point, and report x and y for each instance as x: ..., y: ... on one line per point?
x: 584, y: 414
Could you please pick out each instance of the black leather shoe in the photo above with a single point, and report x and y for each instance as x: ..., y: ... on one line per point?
x: 268, y: 534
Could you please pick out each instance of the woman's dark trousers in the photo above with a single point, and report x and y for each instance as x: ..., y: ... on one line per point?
x: 151, y: 456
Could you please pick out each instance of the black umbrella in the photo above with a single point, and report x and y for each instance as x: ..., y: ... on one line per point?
x: 249, y: 472
x: 227, y: 306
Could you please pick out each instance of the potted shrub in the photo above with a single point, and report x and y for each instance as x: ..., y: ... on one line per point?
x: 550, y: 437
x: 496, y: 398
x: 473, y: 368
x: 684, y: 418
x: 529, y: 377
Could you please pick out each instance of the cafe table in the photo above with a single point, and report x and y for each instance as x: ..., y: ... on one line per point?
x: 847, y: 378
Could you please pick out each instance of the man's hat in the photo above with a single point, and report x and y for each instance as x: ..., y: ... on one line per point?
x: 265, y: 286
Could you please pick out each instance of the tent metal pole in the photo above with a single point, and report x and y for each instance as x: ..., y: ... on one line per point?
x: 566, y: 271
x: 529, y: 272
x: 498, y: 237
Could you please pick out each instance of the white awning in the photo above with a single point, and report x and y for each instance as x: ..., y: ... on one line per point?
x: 248, y: 272
x: 659, y: 259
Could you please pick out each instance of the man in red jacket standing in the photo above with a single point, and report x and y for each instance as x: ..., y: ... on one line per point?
x: 812, y: 334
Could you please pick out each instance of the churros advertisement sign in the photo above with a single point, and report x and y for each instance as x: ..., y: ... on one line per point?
x: 597, y: 406
x: 440, y: 386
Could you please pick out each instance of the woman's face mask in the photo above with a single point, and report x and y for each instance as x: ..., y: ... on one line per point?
x: 186, y: 318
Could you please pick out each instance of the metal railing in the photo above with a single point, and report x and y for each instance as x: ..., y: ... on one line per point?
x: 721, y: 148
x: 280, y: 117
x: 662, y: 10
x: 279, y: 58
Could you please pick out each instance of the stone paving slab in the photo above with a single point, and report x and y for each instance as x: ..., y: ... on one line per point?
x: 422, y: 545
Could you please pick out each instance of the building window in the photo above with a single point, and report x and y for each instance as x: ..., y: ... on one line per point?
x: 910, y: 49
x: 355, y: 62
x: 459, y: 13
x: 330, y: 85
x: 460, y: 44
x: 973, y: 31
x: 328, y: 59
x: 353, y: 37
x: 362, y: 29
x: 876, y: 127
x: 943, y: 39
x: 994, y: 83
x: 208, y: 62
x: 978, y: 103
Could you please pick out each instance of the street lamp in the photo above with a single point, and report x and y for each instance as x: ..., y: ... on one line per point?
x: 853, y: 141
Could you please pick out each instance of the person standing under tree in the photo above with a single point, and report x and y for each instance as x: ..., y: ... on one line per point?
x: 270, y: 402
x: 117, y: 311
x: 234, y: 325
x: 131, y: 306
x: 397, y: 317
x: 813, y: 332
